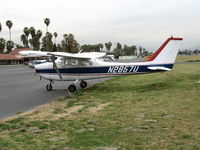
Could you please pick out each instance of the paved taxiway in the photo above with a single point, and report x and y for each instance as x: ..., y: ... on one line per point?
x: 21, y: 90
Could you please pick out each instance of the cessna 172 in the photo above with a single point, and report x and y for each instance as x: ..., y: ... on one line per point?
x: 81, y: 67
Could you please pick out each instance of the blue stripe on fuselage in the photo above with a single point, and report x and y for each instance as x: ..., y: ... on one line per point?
x: 104, y: 70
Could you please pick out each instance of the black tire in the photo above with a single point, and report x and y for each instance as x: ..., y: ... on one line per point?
x: 49, y: 87
x: 72, y: 88
x: 83, y: 84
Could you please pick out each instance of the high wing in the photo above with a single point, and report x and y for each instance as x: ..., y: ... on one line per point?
x: 33, y: 53
x: 85, y: 55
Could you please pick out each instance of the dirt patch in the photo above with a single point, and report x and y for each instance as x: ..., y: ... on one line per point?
x: 69, y: 112
x: 47, y: 111
x: 98, y: 108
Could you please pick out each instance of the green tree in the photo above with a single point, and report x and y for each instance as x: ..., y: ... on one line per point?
x: 146, y: 53
x: 18, y: 46
x: 69, y: 44
x: 55, y: 36
x: 140, y: 50
x: 91, y: 48
x: 54, y: 47
x: 134, y: 49
x: 47, y: 22
x: 35, y: 38
x: 9, y: 46
x: 24, y: 40
x: 101, y: 45
x: 32, y: 31
x: 0, y: 27
x: 97, y: 47
x: 85, y: 48
x: 118, y: 50
x: 47, y: 44
x: 2, y: 45
x: 9, y: 24
x: 59, y: 47
x: 143, y: 50
x: 26, y: 31
x: 129, y: 50
x: 108, y: 46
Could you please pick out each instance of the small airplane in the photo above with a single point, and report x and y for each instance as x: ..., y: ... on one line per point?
x: 80, y: 67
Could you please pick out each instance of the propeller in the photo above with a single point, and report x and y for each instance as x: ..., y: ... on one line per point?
x: 55, y: 66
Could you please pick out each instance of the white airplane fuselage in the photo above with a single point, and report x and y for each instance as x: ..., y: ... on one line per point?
x: 72, y: 69
x: 101, y: 69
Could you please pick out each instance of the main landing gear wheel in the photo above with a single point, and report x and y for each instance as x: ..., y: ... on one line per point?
x: 83, y: 84
x: 49, y: 87
x: 72, y: 88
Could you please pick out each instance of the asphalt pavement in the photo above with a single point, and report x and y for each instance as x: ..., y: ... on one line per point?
x: 21, y: 90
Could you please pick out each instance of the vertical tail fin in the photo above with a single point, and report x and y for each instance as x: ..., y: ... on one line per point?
x: 167, y: 53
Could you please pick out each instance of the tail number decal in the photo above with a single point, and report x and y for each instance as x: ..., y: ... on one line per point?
x: 123, y: 69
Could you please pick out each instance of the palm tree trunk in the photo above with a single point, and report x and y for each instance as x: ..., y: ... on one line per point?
x: 10, y: 34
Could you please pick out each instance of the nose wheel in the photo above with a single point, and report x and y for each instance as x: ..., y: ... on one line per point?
x: 49, y: 86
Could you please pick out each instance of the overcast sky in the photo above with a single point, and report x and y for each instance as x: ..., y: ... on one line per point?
x: 140, y: 22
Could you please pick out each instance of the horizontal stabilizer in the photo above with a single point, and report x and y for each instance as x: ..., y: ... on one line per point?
x: 159, y: 68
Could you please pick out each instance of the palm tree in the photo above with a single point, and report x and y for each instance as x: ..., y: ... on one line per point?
x: 47, y: 44
x: 134, y: 49
x: 108, y: 45
x: 9, y: 46
x: 32, y: 31
x: 37, y: 38
x: 69, y: 44
x: 26, y: 32
x: 24, y: 37
x: 9, y: 24
x: 24, y: 40
x: 47, y: 22
x: 101, y: 45
x: 140, y: 50
x: 2, y: 45
x: 55, y: 35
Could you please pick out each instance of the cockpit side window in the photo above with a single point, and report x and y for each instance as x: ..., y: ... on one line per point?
x: 76, y: 62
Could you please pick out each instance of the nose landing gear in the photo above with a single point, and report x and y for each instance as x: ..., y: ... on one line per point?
x: 49, y: 86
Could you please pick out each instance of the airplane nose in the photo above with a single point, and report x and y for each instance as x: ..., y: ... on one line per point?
x: 36, y: 67
x: 39, y: 66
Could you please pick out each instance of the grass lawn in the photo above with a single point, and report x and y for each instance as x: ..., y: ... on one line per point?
x: 152, y: 111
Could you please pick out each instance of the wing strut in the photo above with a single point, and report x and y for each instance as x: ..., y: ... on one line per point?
x: 55, y: 66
